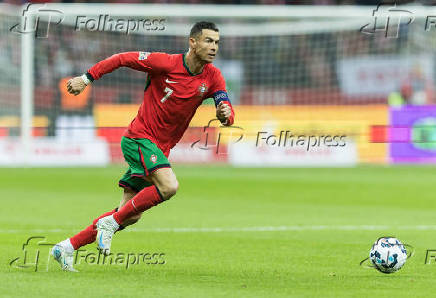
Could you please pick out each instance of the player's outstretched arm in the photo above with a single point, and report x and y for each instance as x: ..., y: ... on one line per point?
x: 142, y: 61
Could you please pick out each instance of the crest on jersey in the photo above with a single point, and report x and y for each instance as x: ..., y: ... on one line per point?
x: 153, y: 158
x: 143, y: 55
x: 202, y: 89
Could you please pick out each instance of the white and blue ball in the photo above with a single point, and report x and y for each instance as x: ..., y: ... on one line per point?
x: 388, y: 254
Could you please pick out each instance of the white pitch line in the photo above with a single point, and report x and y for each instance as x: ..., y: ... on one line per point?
x: 245, y: 229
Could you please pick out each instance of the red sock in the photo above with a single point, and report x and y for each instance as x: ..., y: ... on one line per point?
x: 145, y: 199
x: 89, y: 234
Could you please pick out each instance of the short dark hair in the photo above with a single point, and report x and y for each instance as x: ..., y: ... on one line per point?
x: 199, y: 26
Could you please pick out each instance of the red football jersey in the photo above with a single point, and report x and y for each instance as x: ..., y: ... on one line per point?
x: 172, y: 94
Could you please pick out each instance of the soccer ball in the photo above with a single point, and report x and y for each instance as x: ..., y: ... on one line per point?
x: 388, y: 254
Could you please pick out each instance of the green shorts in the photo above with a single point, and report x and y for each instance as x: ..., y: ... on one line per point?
x: 143, y: 157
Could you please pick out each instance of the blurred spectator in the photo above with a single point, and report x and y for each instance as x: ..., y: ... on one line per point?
x: 414, y: 90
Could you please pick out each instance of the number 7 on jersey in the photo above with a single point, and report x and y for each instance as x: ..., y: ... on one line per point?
x: 168, y: 92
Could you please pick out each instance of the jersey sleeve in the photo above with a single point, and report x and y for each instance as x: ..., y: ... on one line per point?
x: 153, y: 63
x: 219, y: 94
x: 219, y: 84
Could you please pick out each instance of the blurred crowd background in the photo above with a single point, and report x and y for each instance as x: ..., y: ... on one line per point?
x: 306, y: 62
x: 270, y: 69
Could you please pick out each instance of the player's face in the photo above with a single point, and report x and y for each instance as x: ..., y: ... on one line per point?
x: 206, y: 45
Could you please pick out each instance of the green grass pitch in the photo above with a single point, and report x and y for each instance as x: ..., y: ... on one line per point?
x: 227, y: 233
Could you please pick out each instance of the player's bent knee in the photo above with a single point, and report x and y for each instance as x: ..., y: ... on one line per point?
x: 169, y: 190
x: 166, y: 182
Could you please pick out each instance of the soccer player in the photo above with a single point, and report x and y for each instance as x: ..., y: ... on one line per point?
x: 176, y: 86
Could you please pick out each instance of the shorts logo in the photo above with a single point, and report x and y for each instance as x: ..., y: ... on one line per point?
x: 153, y: 158
x: 202, y: 89
x: 143, y: 55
